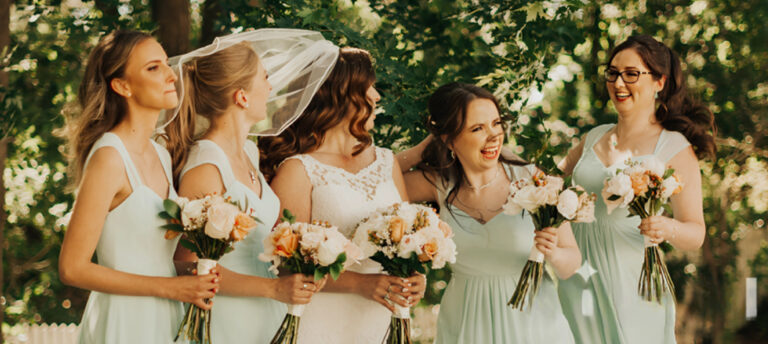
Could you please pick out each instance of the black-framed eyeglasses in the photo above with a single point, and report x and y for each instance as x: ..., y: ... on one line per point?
x: 629, y: 76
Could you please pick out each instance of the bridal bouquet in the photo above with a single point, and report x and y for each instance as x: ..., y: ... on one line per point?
x: 405, y: 238
x: 643, y: 188
x: 210, y: 226
x: 316, y: 249
x: 549, y: 203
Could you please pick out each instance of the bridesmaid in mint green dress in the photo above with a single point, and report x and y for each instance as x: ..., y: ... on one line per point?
x: 229, y: 89
x: 122, y: 178
x: 492, y: 247
x: 601, y: 302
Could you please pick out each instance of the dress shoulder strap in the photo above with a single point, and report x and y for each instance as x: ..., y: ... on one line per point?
x: 595, y: 134
x: 165, y: 161
x: 112, y: 140
x: 670, y: 143
x: 208, y: 152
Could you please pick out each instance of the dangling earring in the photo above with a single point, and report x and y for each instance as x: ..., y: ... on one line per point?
x: 656, y: 95
x: 453, y: 158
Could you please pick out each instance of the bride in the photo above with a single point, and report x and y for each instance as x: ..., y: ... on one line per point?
x: 325, y: 168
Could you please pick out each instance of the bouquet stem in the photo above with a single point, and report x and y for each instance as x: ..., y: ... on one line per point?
x: 654, y: 276
x: 399, y: 331
x: 288, y: 333
x: 530, y: 279
x: 196, y: 326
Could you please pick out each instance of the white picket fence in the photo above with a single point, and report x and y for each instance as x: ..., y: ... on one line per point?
x: 45, y: 334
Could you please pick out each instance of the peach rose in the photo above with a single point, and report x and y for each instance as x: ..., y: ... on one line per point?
x: 243, y: 225
x: 396, y: 229
x: 286, y: 242
x: 639, y: 183
x: 428, y: 251
x: 445, y: 228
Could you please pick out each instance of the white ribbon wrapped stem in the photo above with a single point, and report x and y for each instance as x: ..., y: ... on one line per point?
x: 402, y: 312
x: 296, y: 310
x: 204, y: 266
x: 535, y: 255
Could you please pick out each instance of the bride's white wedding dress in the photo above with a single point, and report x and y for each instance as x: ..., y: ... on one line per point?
x: 344, y: 199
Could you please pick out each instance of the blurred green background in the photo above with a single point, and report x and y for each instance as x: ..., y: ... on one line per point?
x: 542, y: 59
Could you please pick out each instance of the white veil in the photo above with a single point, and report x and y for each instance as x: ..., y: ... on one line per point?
x: 297, y: 62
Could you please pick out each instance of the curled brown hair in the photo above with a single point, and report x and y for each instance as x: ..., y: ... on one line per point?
x: 208, y: 83
x: 342, y: 96
x: 677, y: 110
x: 447, y: 116
x: 99, y: 108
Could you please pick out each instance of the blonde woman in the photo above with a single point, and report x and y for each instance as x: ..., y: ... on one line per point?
x: 122, y: 178
x: 225, y: 95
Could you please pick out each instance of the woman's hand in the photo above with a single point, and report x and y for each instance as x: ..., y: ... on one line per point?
x: 658, y: 228
x: 416, y: 291
x: 385, y: 289
x: 546, y: 241
x: 296, y: 289
x: 198, y: 290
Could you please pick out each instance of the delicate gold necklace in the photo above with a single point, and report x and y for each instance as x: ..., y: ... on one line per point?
x: 486, y: 184
x: 253, y: 176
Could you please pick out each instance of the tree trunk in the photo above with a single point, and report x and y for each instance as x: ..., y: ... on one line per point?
x: 173, y: 20
x: 5, y: 41
x: 211, y: 12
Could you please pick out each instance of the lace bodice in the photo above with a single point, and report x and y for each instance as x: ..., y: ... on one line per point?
x: 343, y: 198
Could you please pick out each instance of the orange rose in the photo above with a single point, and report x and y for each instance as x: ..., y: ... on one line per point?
x: 286, y: 243
x: 243, y: 225
x: 428, y: 251
x: 445, y: 228
x: 639, y: 183
x: 396, y: 229
x: 169, y: 234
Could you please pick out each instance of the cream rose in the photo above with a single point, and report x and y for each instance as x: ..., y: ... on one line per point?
x: 568, y: 204
x: 329, y: 251
x: 192, y: 213
x: 221, y: 220
x: 619, y: 186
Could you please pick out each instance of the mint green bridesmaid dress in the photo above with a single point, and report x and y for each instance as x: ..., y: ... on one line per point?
x: 132, y: 241
x: 240, y: 319
x: 601, y: 300
x: 488, y: 265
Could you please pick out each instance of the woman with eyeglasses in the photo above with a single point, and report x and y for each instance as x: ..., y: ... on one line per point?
x: 656, y: 118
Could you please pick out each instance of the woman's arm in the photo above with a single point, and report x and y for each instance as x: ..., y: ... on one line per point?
x: 567, y: 165
x: 411, y: 157
x: 206, y: 179
x: 686, y: 231
x: 96, y: 197
x: 559, y: 248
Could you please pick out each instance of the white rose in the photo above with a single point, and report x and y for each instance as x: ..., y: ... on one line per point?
x: 529, y: 198
x: 329, y: 251
x: 410, y: 244
x: 568, y: 204
x: 619, y: 185
x: 181, y: 201
x: 654, y: 165
x: 552, y: 189
x: 668, y: 187
x: 310, y: 241
x: 192, y: 213
x: 221, y: 219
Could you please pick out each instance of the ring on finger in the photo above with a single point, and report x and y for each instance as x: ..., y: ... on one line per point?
x: 304, y: 286
x: 386, y: 297
x: 389, y: 289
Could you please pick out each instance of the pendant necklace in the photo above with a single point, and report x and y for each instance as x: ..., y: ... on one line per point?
x: 486, y: 184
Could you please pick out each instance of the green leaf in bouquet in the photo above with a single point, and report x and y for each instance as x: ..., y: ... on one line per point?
x: 335, y: 270
x: 341, y: 258
x: 668, y: 173
x: 172, y: 208
x: 165, y: 216
x: 189, y: 246
x: 319, y: 275
x: 287, y: 216
x: 173, y: 226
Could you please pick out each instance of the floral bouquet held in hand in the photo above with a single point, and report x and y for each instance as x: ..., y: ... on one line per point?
x: 210, y: 226
x: 316, y: 249
x: 550, y: 204
x: 405, y: 239
x: 644, y: 188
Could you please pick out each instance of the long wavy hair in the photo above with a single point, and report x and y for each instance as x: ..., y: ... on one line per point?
x: 209, y: 83
x: 447, y: 117
x: 677, y: 110
x: 99, y: 108
x: 342, y: 96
